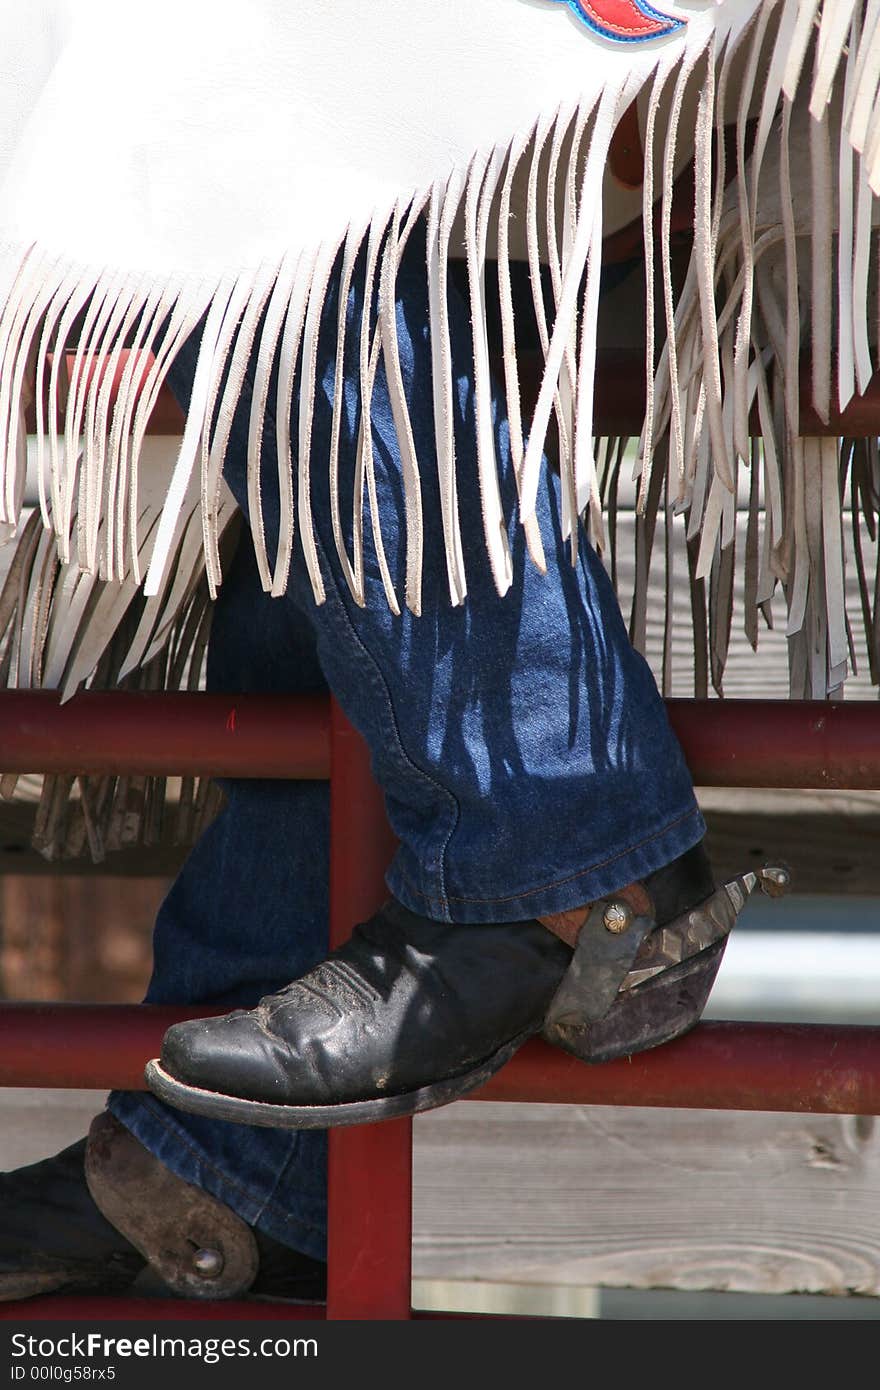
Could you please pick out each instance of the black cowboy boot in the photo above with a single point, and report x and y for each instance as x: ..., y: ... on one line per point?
x: 411, y: 1013
x: 95, y: 1216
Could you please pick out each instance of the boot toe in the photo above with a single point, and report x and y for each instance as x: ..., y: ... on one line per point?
x: 233, y: 1053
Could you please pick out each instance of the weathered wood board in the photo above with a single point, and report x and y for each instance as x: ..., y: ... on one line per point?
x: 87, y: 939
x: 617, y: 1197
x: 829, y: 839
x: 628, y: 1197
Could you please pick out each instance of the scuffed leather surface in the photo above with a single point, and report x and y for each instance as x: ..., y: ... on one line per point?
x: 404, y: 1003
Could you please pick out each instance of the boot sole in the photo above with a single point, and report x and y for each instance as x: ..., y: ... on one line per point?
x: 213, y: 1104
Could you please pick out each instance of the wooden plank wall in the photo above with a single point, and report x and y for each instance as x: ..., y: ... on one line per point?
x: 572, y: 1198
x: 85, y: 938
x: 624, y: 1197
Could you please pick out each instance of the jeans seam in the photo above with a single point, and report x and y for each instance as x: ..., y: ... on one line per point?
x: 270, y: 1203
x: 412, y: 766
x: 559, y: 882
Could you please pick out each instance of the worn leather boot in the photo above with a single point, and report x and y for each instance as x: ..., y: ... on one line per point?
x: 411, y: 1013
x: 105, y: 1210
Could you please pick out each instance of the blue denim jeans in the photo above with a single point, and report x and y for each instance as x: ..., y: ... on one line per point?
x: 523, y: 749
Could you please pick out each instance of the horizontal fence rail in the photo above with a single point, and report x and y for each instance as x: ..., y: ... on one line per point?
x: 732, y: 743
x: 811, y: 1067
x: 118, y: 732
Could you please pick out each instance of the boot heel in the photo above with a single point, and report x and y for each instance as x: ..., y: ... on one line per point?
x: 656, y: 1012
x: 666, y: 990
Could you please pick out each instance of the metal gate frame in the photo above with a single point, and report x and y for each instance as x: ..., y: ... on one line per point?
x: 813, y: 1068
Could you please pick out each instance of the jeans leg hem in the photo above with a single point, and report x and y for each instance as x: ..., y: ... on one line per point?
x: 569, y: 889
x: 159, y: 1131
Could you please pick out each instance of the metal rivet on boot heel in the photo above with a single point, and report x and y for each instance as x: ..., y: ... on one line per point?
x: 208, y: 1263
x: 618, y: 917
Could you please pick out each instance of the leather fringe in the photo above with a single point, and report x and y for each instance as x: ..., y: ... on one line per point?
x: 109, y: 573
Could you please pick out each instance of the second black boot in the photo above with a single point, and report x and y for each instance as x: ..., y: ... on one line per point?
x: 105, y: 1211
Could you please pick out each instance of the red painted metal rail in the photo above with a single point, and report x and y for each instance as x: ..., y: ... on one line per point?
x: 820, y: 1068
x: 369, y: 1169
x: 735, y: 743
x: 114, y: 732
